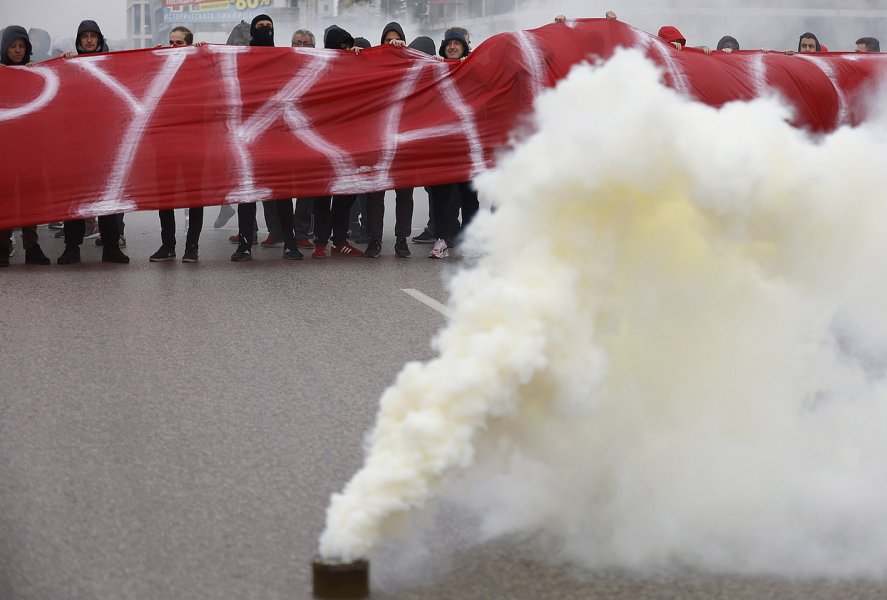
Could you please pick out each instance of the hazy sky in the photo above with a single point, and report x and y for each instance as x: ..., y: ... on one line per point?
x: 61, y: 17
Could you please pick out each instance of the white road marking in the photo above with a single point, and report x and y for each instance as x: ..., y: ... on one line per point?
x: 428, y: 301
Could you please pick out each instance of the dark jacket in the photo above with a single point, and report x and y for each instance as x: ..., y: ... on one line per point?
x: 90, y: 26
x: 454, y: 35
x: 423, y: 43
x: 261, y: 37
x: 42, y: 43
x: 11, y: 34
x: 393, y: 26
x: 335, y: 37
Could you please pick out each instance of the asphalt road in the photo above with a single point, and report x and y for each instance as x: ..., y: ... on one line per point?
x: 175, y: 431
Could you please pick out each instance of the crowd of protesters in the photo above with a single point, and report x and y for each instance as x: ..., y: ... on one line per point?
x: 338, y: 219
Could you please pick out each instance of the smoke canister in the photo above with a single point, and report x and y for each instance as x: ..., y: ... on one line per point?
x: 341, y: 581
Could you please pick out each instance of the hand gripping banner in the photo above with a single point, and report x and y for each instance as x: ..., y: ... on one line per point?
x: 196, y: 126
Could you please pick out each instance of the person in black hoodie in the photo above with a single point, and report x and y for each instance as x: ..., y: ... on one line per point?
x: 91, y: 41
x: 261, y: 34
x: 331, y: 213
x: 447, y: 199
x: 15, y: 46
x: 336, y: 38
x: 423, y: 43
x: 392, y: 34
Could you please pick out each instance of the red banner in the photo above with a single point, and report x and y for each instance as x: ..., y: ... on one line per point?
x: 175, y: 127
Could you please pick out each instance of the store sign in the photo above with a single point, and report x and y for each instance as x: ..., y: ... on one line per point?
x: 212, y: 11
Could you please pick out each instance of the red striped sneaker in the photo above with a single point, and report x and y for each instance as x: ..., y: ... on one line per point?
x: 346, y: 249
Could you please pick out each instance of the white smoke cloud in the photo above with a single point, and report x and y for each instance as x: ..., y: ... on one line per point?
x: 671, y: 353
x: 755, y: 23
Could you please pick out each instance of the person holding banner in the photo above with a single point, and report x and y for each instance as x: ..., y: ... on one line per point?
x: 15, y: 50
x: 91, y: 41
x: 447, y: 199
x: 331, y: 213
x: 178, y: 37
x: 392, y: 34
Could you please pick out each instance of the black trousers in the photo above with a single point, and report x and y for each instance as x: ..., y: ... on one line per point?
x: 29, y: 238
x: 246, y: 221
x: 302, y: 217
x: 446, y: 201
x: 403, y: 211
x: 294, y: 225
x: 109, y: 229
x: 331, y: 218
x: 168, y: 227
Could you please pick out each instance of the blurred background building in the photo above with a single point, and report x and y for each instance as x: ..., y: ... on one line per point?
x: 757, y: 23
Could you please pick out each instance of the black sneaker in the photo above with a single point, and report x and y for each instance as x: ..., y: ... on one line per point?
x: 99, y: 242
x: 4, y: 257
x: 165, y: 253
x: 190, y: 254
x: 113, y: 254
x: 55, y: 225
x: 60, y: 233
x: 426, y: 237
x: 243, y: 252
x: 401, y: 249
x: 374, y: 249
x: 35, y: 256
x: 70, y: 256
x: 293, y: 254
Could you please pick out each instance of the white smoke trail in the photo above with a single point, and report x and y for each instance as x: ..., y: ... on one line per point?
x: 672, y: 352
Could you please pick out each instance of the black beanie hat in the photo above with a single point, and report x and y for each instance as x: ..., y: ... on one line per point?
x: 454, y: 35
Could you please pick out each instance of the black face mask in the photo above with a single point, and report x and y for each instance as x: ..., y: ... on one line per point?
x: 263, y: 37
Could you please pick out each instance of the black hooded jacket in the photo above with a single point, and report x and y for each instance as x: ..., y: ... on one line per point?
x: 335, y: 37
x: 423, y: 43
x: 393, y: 26
x: 42, y: 43
x: 264, y: 36
x: 11, y: 34
x: 90, y: 26
x: 454, y: 35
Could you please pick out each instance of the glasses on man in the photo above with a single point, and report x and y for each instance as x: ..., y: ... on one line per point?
x: 305, y: 43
